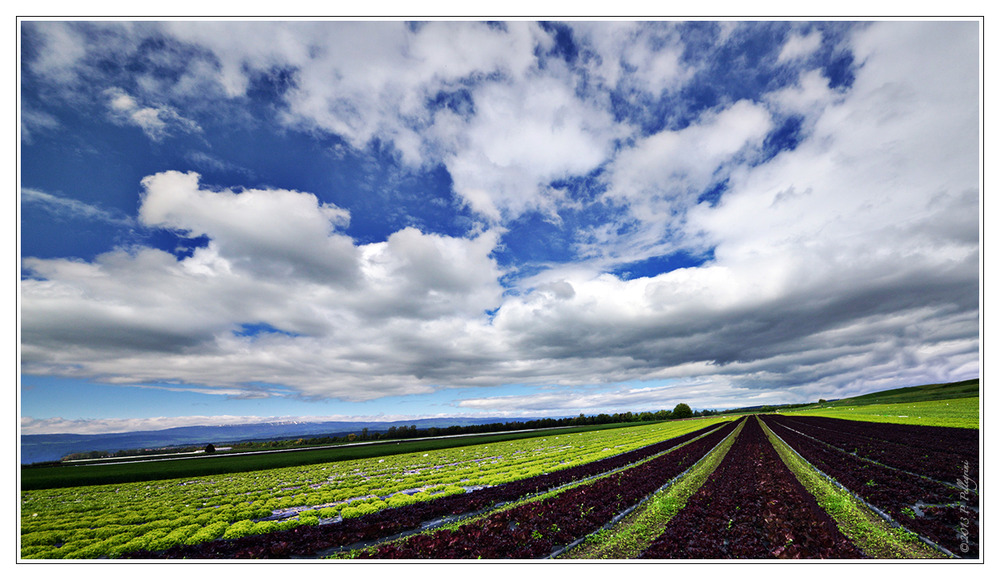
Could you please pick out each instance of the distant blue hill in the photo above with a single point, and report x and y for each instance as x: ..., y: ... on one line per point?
x: 36, y: 448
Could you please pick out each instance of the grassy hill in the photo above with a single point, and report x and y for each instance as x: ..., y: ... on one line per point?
x: 942, y: 405
x: 922, y: 393
x: 935, y: 392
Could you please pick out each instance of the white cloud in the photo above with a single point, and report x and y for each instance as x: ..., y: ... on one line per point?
x: 870, y: 204
x: 835, y: 264
x: 156, y: 122
x: 659, y: 178
x: 664, y: 171
x: 374, y: 83
x: 800, y: 46
x: 34, y: 122
x: 356, y: 322
x: 367, y: 82
x: 363, y: 80
x: 65, y: 48
x: 274, y: 232
x: 428, y: 276
x: 809, y: 97
x: 72, y: 208
x: 523, y: 136
x: 852, y: 258
x: 895, y: 151
x: 204, y: 160
x: 634, y: 56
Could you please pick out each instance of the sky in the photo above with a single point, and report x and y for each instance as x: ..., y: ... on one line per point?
x: 235, y: 221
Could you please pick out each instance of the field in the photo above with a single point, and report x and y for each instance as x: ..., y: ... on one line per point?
x: 102, y: 520
x: 963, y: 413
x: 830, y: 483
x: 136, y: 469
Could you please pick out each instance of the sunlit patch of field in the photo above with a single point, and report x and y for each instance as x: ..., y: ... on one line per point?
x: 945, y: 413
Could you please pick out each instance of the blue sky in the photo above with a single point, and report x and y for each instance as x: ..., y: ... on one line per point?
x: 228, y: 221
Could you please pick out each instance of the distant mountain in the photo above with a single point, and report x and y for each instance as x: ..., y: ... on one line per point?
x: 35, y: 448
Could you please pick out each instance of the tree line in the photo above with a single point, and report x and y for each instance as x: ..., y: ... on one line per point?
x: 681, y: 411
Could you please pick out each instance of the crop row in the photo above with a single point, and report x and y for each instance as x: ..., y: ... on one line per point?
x: 538, y: 528
x: 752, y: 506
x: 107, y: 520
x: 947, y: 515
x: 305, y: 541
x: 942, y: 453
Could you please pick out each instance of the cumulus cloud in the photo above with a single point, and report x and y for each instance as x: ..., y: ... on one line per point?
x: 345, y: 320
x: 807, y: 98
x: 661, y: 176
x: 363, y: 81
x: 427, y: 275
x: 523, y: 137
x: 834, y: 263
x: 277, y: 232
x: 852, y: 222
x: 376, y: 84
x: 847, y: 261
x: 641, y: 59
x: 664, y: 171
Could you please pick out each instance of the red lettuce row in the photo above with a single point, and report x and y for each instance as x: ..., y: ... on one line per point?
x: 943, y: 514
x: 942, y: 453
x: 753, y: 507
x: 949, y: 439
x: 538, y: 529
x: 310, y: 541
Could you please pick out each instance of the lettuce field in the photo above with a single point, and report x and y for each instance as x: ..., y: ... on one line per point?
x: 759, y: 487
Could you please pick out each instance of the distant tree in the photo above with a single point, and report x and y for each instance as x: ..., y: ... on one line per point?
x: 681, y: 411
x: 821, y: 401
x: 210, y: 448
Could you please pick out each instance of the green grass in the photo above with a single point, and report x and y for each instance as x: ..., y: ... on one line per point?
x: 633, y: 534
x: 940, y: 413
x: 920, y: 393
x: 935, y: 392
x: 873, y: 535
x: 204, y: 465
